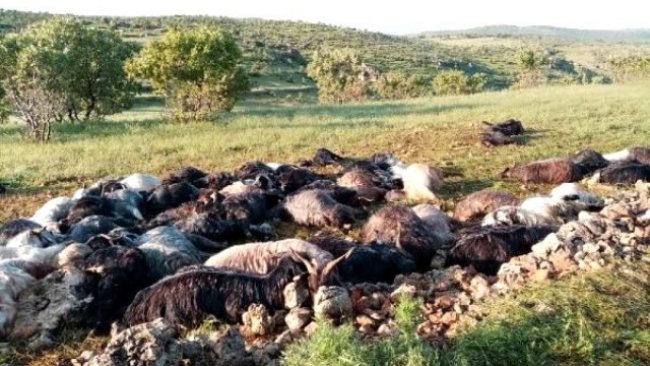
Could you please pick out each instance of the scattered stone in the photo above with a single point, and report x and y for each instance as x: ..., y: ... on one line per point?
x: 332, y: 303
x: 297, y: 318
x: 257, y: 321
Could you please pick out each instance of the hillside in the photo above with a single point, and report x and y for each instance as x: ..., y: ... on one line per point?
x: 277, y: 51
x: 540, y: 31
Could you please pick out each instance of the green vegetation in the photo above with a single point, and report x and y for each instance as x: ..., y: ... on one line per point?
x: 59, y: 68
x: 198, y: 72
x: 330, y: 346
x: 455, y: 82
x: 341, y: 76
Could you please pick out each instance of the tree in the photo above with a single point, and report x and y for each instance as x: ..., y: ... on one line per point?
x: 530, y: 74
x: 456, y: 82
x: 398, y: 85
x: 341, y: 76
x: 58, y: 68
x: 198, y: 71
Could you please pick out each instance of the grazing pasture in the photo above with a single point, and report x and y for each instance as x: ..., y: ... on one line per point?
x: 442, y: 131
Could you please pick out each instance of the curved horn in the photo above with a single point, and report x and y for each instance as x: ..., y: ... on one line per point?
x: 299, y: 258
x: 333, y: 263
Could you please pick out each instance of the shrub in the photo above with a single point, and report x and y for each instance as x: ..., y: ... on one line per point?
x: 398, y: 85
x: 341, y: 76
x: 456, y: 82
x: 197, y: 70
x: 58, y: 68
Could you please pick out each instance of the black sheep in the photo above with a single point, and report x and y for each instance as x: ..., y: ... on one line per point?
x: 399, y: 226
x: 366, y: 263
x: 169, y: 196
x: 186, y: 174
x: 490, y: 247
x: 118, y: 273
x: 186, y: 298
x: 625, y: 172
x: 588, y: 161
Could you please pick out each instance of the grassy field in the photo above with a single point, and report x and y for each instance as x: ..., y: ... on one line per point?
x: 441, y: 131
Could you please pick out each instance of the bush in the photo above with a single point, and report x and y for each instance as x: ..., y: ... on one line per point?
x: 630, y: 68
x: 197, y: 70
x: 341, y: 76
x: 397, y: 85
x: 58, y: 68
x: 456, y: 82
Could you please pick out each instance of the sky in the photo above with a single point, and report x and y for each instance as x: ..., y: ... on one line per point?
x: 394, y: 17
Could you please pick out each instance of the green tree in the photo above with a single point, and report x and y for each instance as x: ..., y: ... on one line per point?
x: 456, y: 82
x: 398, y: 85
x: 341, y: 76
x: 61, y: 67
x: 197, y: 70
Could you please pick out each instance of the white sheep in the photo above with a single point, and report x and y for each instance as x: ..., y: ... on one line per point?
x: 141, y: 182
x: 513, y: 215
x: 420, y: 180
x: 261, y: 258
x: 53, y: 211
x: 16, y: 275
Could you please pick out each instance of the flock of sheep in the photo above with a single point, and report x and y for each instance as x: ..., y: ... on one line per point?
x: 171, y: 248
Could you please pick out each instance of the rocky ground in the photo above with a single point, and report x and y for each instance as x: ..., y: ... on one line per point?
x: 452, y: 296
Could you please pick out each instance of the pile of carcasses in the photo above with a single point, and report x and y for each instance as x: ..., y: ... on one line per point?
x: 155, y: 258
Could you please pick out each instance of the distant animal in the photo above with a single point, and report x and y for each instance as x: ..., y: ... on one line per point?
x: 478, y: 204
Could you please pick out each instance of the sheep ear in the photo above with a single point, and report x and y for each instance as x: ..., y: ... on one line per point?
x: 299, y: 258
x: 332, y: 264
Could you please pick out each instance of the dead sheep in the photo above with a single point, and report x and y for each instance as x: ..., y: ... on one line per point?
x: 252, y: 170
x: 103, y: 206
x: 365, y: 263
x: 638, y: 153
x: 290, y: 178
x: 117, y: 274
x: 187, y: 174
x: 490, y: 247
x: 14, y: 227
x: 583, y: 200
x: 35, y: 238
x: 225, y: 295
x: 550, y: 171
x: 16, y: 275
x: 324, y: 157
x: 419, y: 181
x: 478, y: 204
x: 262, y: 258
x: 317, y: 208
x: 166, y: 250
x: 588, y: 161
x: 508, y: 127
x: 94, y: 225
x: 141, y: 182
x: 491, y: 138
x: 169, y: 196
x: 436, y: 219
x: 400, y: 227
x: 212, y: 226
x: 624, y: 172
x: 53, y: 211
x: 364, y: 182
x: 514, y: 215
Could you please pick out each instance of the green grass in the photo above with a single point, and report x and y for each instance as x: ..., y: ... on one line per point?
x: 600, y: 318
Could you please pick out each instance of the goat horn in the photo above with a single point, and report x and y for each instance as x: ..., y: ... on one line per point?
x: 298, y: 257
x: 333, y: 263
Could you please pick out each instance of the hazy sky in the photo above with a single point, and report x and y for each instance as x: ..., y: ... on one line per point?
x: 396, y: 16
